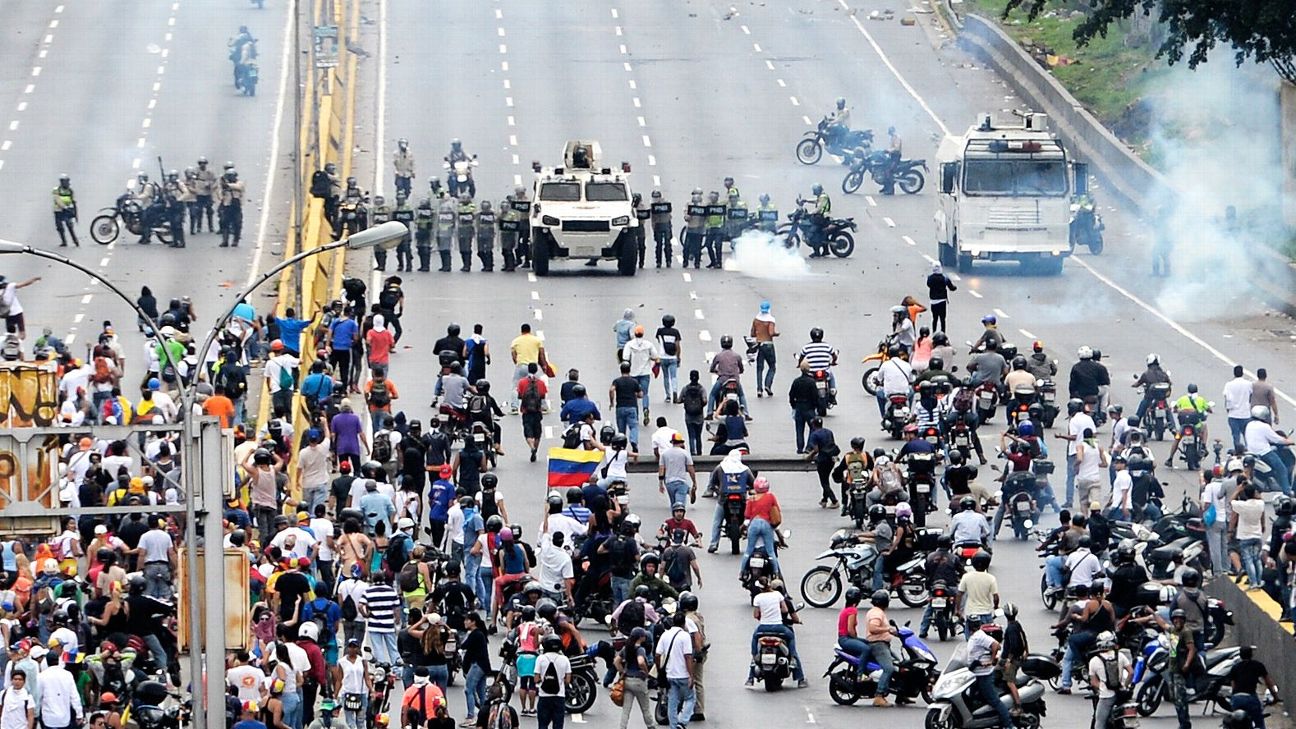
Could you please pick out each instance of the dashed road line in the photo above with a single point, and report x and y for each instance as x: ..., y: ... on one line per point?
x: 1026, y: 334
x: 908, y: 240
x: 794, y: 101
x: 704, y: 335
x: 890, y: 223
x: 756, y: 47
x: 769, y: 65
x: 697, y: 314
x: 975, y: 293
x: 1002, y: 314
x: 806, y: 119
x: 872, y: 203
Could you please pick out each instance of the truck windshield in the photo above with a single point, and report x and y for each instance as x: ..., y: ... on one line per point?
x: 560, y: 191
x: 1015, y: 178
x: 605, y: 192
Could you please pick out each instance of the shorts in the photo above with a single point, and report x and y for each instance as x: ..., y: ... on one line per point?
x: 526, y: 683
x: 331, y: 654
x: 15, y: 323
x: 532, y: 425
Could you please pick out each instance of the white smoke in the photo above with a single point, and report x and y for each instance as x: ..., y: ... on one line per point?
x: 761, y: 255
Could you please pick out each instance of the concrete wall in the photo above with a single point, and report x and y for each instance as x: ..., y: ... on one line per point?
x: 1255, y: 618
x: 1287, y: 103
x: 1122, y: 173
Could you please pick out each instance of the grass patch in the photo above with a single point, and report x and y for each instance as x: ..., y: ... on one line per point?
x: 1107, y: 75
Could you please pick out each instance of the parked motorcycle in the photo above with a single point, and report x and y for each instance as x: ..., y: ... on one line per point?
x: 852, y: 677
x: 958, y: 703
x: 1210, y: 686
x: 813, y: 143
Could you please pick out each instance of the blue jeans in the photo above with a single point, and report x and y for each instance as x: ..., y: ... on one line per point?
x: 713, y: 401
x: 440, y: 675
x: 801, y: 417
x: 765, y: 366
x: 356, y: 719
x: 1071, y: 466
x: 1053, y: 570
x: 1077, y: 645
x: 620, y: 589
x: 645, y: 383
x: 314, y: 496
x: 292, y: 708
x: 1237, y: 427
x: 384, y: 648
x: 677, y: 492
x: 853, y: 646
x: 378, y: 419
x: 879, y: 572
x: 991, y: 695
x: 1217, y: 541
x: 798, y: 673
x: 1251, y: 705
x: 1279, y: 470
x: 670, y: 376
x: 881, y: 653
x: 472, y: 573
x: 1251, y: 563
x: 475, y: 688
x: 680, y: 700
x: 627, y: 421
x: 716, y: 522
x: 759, y: 531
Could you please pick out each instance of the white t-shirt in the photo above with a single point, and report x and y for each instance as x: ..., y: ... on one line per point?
x: 897, y: 375
x: 661, y: 439
x: 770, y: 605
x: 1214, y: 493
x: 1250, y: 518
x: 680, y: 645
x: 15, y: 706
x: 616, y: 464
x: 1237, y: 398
x: 353, y: 675
x: 302, y: 541
x: 570, y: 528
x: 323, y: 529
x: 1078, y: 424
x: 247, y: 681
x: 1089, y: 469
x: 1084, y: 566
x: 156, y: 544
x: 1261, y: 438
x: 639, y: 352
x: 560, y: 665
x: 1121, y: 486
x: 555, y: 565
x: 455, y: 524
x: 1096, y: 668
x: 9, y: 300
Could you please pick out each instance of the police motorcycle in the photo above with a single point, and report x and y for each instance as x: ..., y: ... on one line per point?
x: 907, y: 173
x: 1086, y: 227
x: 823, y: 137
x: 459, y: 171
x: 837, y: 233
x: 130, y: 214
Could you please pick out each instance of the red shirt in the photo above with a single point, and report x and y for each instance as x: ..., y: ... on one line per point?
x: 686, y: 525
x: 316, y: 656
x: 380, y: 345
x: 761, y: 506
x: 524, y: 384
x: 843, y: 627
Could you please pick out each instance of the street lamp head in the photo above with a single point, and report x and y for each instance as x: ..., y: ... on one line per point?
x: 385, y: 236
x: 13, y: 246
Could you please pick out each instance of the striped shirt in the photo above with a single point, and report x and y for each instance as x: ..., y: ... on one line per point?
x: 383, y: 603
x: 819, y: 355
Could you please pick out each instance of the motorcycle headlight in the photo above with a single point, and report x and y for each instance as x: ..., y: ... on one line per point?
x: 621, y: 221
x: 946, y: 684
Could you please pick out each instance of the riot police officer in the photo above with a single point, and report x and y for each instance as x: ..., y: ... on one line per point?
x: 509, y: 220
x: 730, y: 189
x: 190, y: 183
x: 486, y: 236
x: 766, y: 214
x: 735, y: 217
x: 715, y: 220
x: 642, y: 214
x: 380, y: 213
x: 467, y: 216
x: 175, y: 198
x: 65, y: 211
x: 231, y: 207
x: 404, y: 214
x: 403, y: 162
x: 204, y: 186
x: 332, y: 193
x: 424, y: 226
x: 145, y: 196
x: 522, y: 204
x: 661, y: 225
x: 445, y: 231
x: 819, y: 221
x: 694, y: 229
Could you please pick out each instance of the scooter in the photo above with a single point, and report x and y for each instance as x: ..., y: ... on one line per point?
x: 773, y: 663
x: 852, y: 677
x: 958, y: 703
x: 827, y: 395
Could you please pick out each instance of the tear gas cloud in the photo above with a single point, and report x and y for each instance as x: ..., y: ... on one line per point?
x: 760, y: 255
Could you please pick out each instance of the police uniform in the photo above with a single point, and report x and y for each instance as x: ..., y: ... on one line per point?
x: 466, y: 216
x: 379, y: 214
x: 735, y: 218
x: 694, y: 230
x: 404, y: 214
x: 231, y: 210
x: 522, y: 204
x: 486, y: 220
x: 715, y: 222
x: 176, y: 197
x: 643, y: 213
x: 65, y: 213
x: 445, y: 231
x: 660, y: 212
x: 146, y: 196
x: 424, y: 225
x: 204, y: 186
x: 767, y: 217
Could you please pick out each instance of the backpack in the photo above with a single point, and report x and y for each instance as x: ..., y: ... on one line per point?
x: 693, y: 400
x: 318, y: 614
x: 571, y: 437
x: 963, y: 400
x: 388, y: 299
x: 631, y: 617
x: 550, y: 684
x: 349, y: 610
x: 408, y: 581
x: 398, y: 551
x: 102, y: 372
x: 675, y: 567
x: 531, y: 396
x: 379, y: 397
x: 286, y: 379
x: 321, y: 185
x: 382, y: 451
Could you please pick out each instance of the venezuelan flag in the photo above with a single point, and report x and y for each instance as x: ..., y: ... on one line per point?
x: 571, y: 467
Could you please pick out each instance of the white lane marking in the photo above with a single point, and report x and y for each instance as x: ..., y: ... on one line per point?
x: 54, y: 23
x: 872, y: 203
x: 617, y: 30
x: 152, y: 103
x: 623, y: 49
x: 71, y: 338
x: 955, y: 277
x: 531, y: 277
x: 746, y: 30
x: 647, y: 142
x: 539, y: 334
x: 515, y: 160
x: 157, y: 86
x: 975, y: 293
x: 693, y: 295
x: 503, y: 48
x: 704, y: 335
x: 890, y: 223
x: 652, y: 161
x: 59, y: 9
x: 1172, y: 324
x: 43, y: 53
x: 656, y: 180
x: 500, y: 31
x: 614, y: 12
x: 103, y: 262
x: 5, y: 145
x: 147, y: 123
x: 642, y: 121
x: 36, y: 70
x: 908, y: 240
x: 79, y: 317
x: 508, y: 101
x: 756, y: 47
x: 271, y: 169
x: 512, y: 122
x: 499, y: 14
x: 166, y: 52
x: 781, y: 83
x: 503, y: 65
x: 86, y: 299
x: 517, y: 179
x: 769, y: 65
x: 887, y: 62
x: 929, y: 259
x: 512, y: 140
x: 633, y: 84
x: 806, y: 119
x: 549, y: 433
x: 161, y: 70
x: 140, y: 142
x: 30, y: 88
x: 49, y: 38
x: 135, y: 165
x: 1002, y: 314
x: 535, y: 295
x: 13, y: 125
x: 688, y: 278
x: 1026, y: 334
x: 697, y: 314
x: 635, y: 101
x: 794, y: 101
x: 627, y: 66
x: 539, y: 315
x: 508, y: 84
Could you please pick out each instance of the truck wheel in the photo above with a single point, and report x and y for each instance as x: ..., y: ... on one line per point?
x: 945, y: 253
x: 540, y: 255
x: 1051, y: 265
x: 627, y: 256
x: 964, y: 263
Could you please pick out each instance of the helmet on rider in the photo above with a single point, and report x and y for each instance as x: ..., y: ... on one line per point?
x: 620, y: 441
x: 1019, y: 362
x: 816, y: 334
x: 650, y: 558
x: 854, y: 595
x: 876, y: 513
x: 495, y: 524
x: 816, y: 189
x: 841, y: 103
x: 1010, y: 610
x: 880, y: 599
x: 1192, y: 388
x: 761, y: 485
x: 1037, y: 346
x: 989, y: 319
x: 1262, y: 412
x: 726, y: 342
x: 1074, y: 405
x: 642, y: 591
x: 967, y: 503
x: 688, y: 601
x: 1026, y: 429
x: 981, y: 560
x: 1178, y: 614
x: 940, y: 339
x: 631, y: 523
x: 936, y: 363
x: 547, y: 609
x: 857, y: 443
x: 956, y: 457
x: 1190, y: 578
x: 1153, y: 359
x: 1085, y: 352
x: 1125, y: 551
x: 904, y: 512
x: 1106, y: 641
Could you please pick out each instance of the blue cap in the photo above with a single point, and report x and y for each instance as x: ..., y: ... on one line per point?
x: 765, y: 307
x: 154, y: 384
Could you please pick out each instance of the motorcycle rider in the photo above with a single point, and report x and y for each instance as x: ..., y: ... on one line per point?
x: 715, y: 220
x: 989, y: 333
x: 1089, y: 378
x: 466, y: 215
x: 732, y: 476
x: 65, y: 211
x: 968, y: 526
x: 982, y: 658
x: 1153, y: 375
x: 660, y: 217
x: 881, y: 535
x: 977, y: 596
x: 643, y: 213
x: 445, y: 231
x: 242, y: 52
x: 424, y: 226
x: 894, y: 147
x: 695, y: 219
x: 404, y: 214
x: 146, y: 196
x: 486, y: 237
x: 1260, y: 438
x: 988, y: 365
x: 736, y: 216
x: 838, y: 123
x: 231, y: 208
x: 1189, y: 409
x: 940, y: 567
x: 769, y: 609
x: 457, y: 154
x: 877, y: 634
x: 204, y: 188
x: 403, y: 162
x: 819, y: 219
x: 1020, y: 376
x: 728, y: 366
x: 941, y: 349
x: 1125, y: 579
x: 821, y: 356
x: 1038, y: 364
x: 896, y: 376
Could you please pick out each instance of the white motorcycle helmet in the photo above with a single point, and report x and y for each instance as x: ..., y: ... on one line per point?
x: 308, y: 630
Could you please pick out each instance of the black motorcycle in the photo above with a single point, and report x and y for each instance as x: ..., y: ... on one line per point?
x: 907, y: 173
x: 128, y: 213
x: 1086, y: 227
x: 837, y: 233
x: 813, y: 143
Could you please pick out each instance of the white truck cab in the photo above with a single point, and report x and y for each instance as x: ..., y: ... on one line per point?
x: 1005, y: 194
x: 583, y: 210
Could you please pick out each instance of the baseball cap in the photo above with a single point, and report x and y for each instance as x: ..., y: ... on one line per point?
x: 405, y: 523
x: 345, y: 466
x: 677, y: 437
x: 100, y: 529
x: 303, y: 517
x: 1095, y: 506
x: 447, y: 471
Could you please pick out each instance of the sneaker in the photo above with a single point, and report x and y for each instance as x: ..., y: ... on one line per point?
x: 533, y: 455
x: 803, y: 683
x: 760, y: 393
x: 1169, y: 463
x: 823, y: 503
x: 1064, y: 691
x: 713, y: 549
x: 750, y: 683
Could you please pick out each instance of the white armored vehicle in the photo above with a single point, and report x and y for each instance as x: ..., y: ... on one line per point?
x: 582, y: 210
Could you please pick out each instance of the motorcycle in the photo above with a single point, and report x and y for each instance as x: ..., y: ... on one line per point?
x: 1048, y: 401
x: 150, y: 709
x: 960, y: 439
x: 381, y: 676
x: 1086, y: 227
x: 870, y: 380
x: 851, y: 677
x: 1156, y: 419
x: 459, y: 177
x: 1192, y: 449
x: 822, y: 585
x: 958, y: 703
x: 1209, y: 686
x: 1024, y: 407
x: 128, y: 213
x: 735, y: 513
x: 921, y: 475
x: 583, y: 689
x: 827, y: 395
x: 837, y: 232
x: 943, y: 598
x: 897, y: 415
x: 773, y: 663
x: 249, y: 75
x: 1263, y: 473
x: 759, y: 569
x: 813, y: 143
x: 1024, y: 515
x: 597, y: 604
x: 986, y: 397
x: 906, y: 173
x: 857, y: 506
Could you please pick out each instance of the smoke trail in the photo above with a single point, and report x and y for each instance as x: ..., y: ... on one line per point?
x: 760, y: 255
